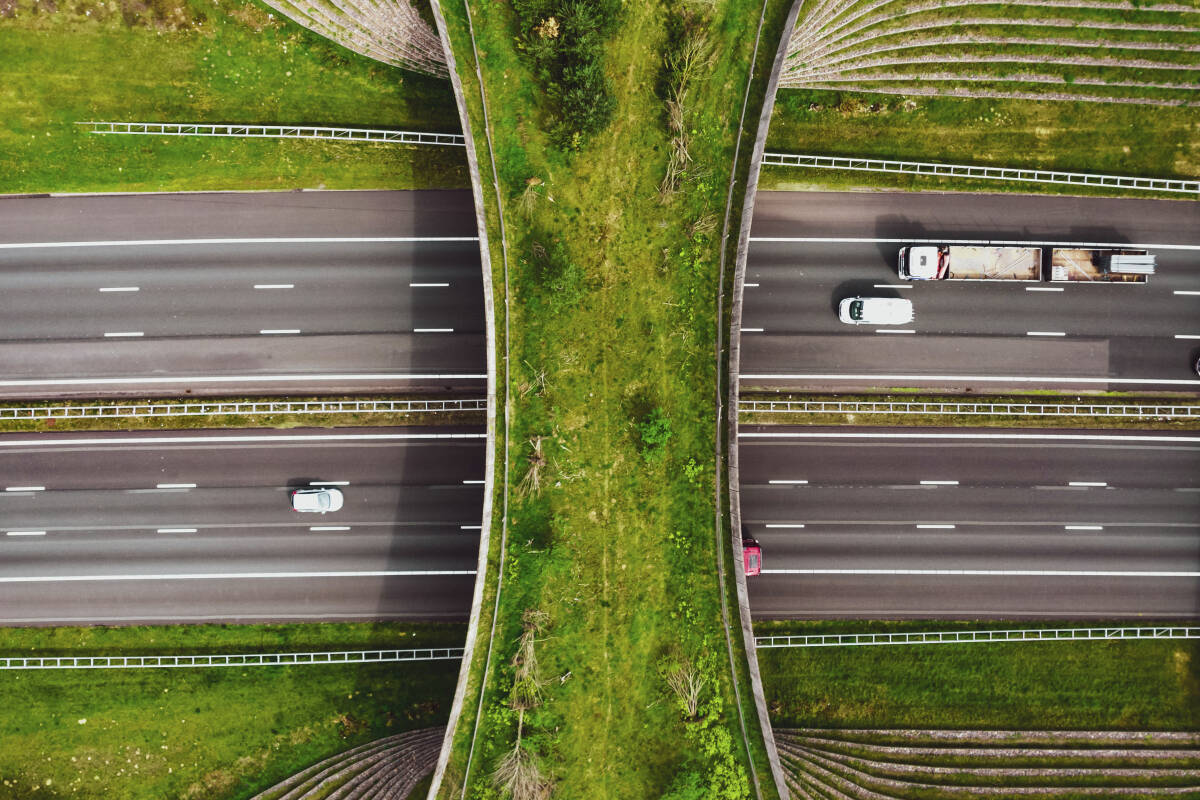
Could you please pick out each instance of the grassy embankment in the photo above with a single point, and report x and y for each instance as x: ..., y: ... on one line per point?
x: 613, y: 262
x: 830, y: 109
x: 920, y: 418
x: 210, y: 733
x: 199, y: 421
x: 194, y: 61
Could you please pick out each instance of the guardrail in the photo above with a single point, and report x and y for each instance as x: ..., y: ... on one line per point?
x: 1144, y: 411
x: 960, y: 637
x: 276, y: 132
x: 986, y: 173
x: 233, y: 659
x: 118, y: 410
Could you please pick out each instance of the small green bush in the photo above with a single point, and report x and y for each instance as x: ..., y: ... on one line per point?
x: 654, y: 431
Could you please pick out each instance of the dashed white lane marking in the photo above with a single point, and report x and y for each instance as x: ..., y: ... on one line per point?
x: 1049, y: 573
x: 211, y: 576
x: 1087, y: 483
x: 833, y: 376
x: 329, y: 527
x: 936, y: 527
x: 176, y: 530
x: 785, y: 525
x: 428, y: 285
x: 276, y: 331
x: 281, y: 240
x: 154, y: 379
x: 1045, y: 333
x: 176, y: 485
x: 274, y: 286
x: 1043, y: 288
x: 433, y: 330
x: 788, y: 482
x: 474, y: 482
x: 866, y: 240
x: 120, y: 289
x: 894, y: 330
x: 750, y: 285
x: 329, y: 483
x: 470, y: 527
x: 751, y: 330
x: 939, y: 483
x: 1187, y: 336
x: 116, y: 334
x: 893, y: 286
x: 24, y: 488
x: 1185, y: 292
x: 1083, y: 527
x: 24, y: 533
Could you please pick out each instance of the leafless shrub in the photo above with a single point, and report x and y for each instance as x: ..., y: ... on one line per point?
x: 687, y: 683
x: 702, y: 225
x: 693, y: 55
x: 519, y: 775
x: 527, y: 201
x: 531, y: 484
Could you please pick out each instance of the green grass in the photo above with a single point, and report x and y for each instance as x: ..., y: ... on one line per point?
x: 205, y: 733
x: 1000, y: 420
x: 1129, y: 685
x: 614, y: 297
x: 214, y: 63
x: 266, y: 420
x: 1073, y: 137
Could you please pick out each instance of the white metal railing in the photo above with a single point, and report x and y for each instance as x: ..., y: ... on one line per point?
x: 119, y: 410
x: 277, y: 132
x: 959, y: 637
x: 232, y: 659
x: 1134, y: 411
x: 987, y: 173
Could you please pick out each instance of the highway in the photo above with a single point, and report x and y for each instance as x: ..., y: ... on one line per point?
x: 194, y: 526
x: 810, y: 250
x: 266, y: 292
x: 972, y: 523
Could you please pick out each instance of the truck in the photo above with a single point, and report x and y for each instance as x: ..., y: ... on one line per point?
x: 982, y: 263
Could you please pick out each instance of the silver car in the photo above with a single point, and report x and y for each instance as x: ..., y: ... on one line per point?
x: 875, y: 311
x: 318, y: 499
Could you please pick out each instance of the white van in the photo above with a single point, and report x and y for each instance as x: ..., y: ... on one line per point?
x: 875, y: 311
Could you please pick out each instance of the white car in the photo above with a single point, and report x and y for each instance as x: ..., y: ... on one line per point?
x: 318, y: 499
x: 875, y: 311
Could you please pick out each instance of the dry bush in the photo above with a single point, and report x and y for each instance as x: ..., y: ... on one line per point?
x: 702, y: 225
x: 527, y: 200
x: 531, y: 484
x: 519, y: 775
x: 687, y: 683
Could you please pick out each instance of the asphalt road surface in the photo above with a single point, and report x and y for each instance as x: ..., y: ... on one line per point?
x: 972, y: 523
x: 197, y: 526
x: 246, y: 293
x: 993, y: 335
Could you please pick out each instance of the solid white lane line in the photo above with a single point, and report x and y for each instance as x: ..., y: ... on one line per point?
x: 1053, y: 437
x: 274, y: 286
x: 280, y: 240
x: 235, y: 439
x: 274, y: 331
x: 433, y: 330
x: 893, y: 330
x: 866, y: 240
x: 190, y: 576
x: 1043, y: 288
x: 250, y: 379
x: 939, y: 483
x: 114, y: 334
x: 329, y: 527
x: 788, y: 482
x: 785, y: 525
x: 1083, y: 527
x: 329, y: 483
x: 1045, y: 333
x: 24, y: 488
x: 176, y: 485
x: 120, y: 289
x: 893, y: 286
x: 830, y: 376
x: 24, y: 533
x: 1185, y: 292
x: 1187, y: 336
x: 428, y: 285
x: 940, y: 527
x: 1053, y: 573
x: 751, y: 330
x: 176, y: 530
x: 1087, y: 483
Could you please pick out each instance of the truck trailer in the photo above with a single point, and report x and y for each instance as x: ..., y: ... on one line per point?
x: 1067, y: 264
